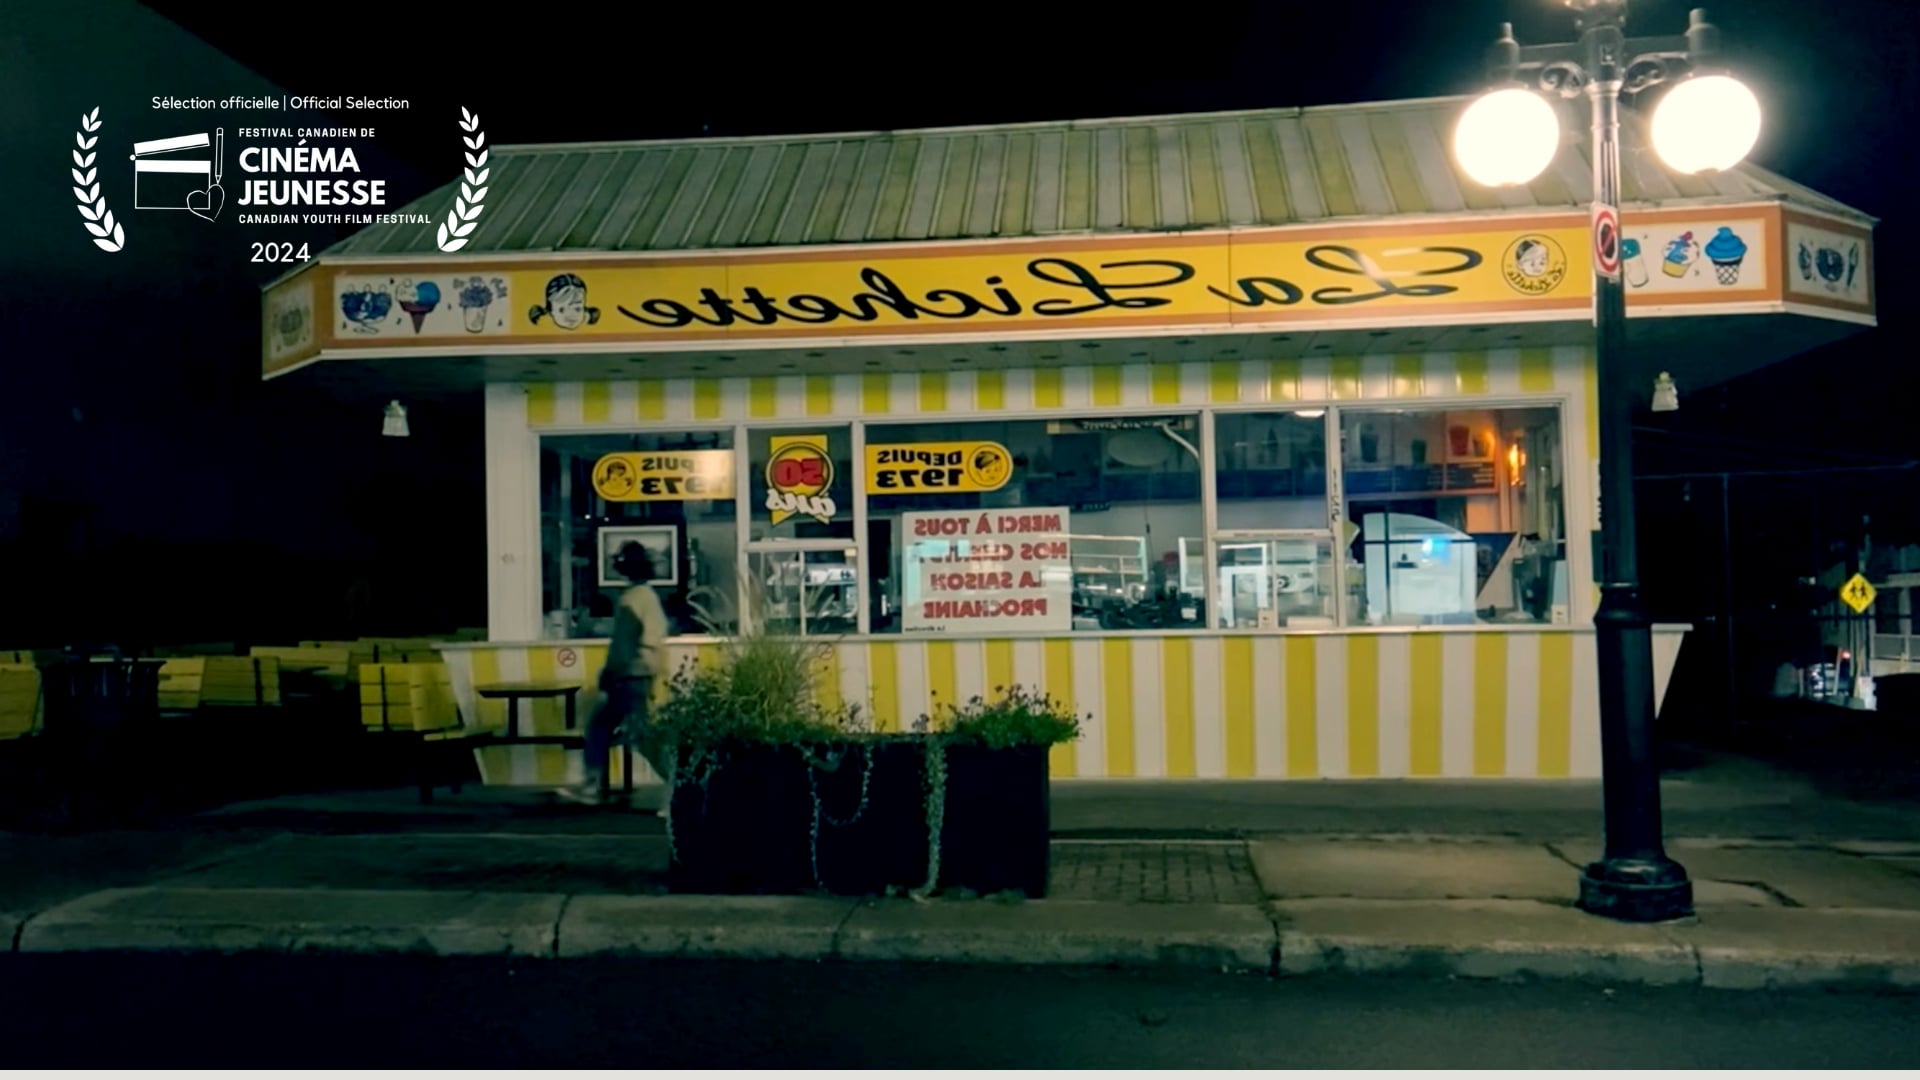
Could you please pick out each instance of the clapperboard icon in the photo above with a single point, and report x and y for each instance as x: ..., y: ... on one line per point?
x: 165, y: 180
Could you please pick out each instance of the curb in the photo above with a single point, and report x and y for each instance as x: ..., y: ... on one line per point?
x: 1729, y: 948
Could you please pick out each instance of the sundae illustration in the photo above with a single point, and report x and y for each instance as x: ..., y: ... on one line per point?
x: 417, y: 300
x: 366, y: 307
x: 1680, y: 255
x: 566, y: 304
x: 1636, y: 267
x: 1725, y: 251
x: 476, y: 296
x: 1828, y: 265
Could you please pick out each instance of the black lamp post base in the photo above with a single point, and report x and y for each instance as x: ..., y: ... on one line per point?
x: 1637, y: 890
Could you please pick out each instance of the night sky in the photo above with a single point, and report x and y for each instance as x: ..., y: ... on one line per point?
x: 137, y: 443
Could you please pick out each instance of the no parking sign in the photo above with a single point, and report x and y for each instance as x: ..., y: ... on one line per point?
x: 1606, y: 241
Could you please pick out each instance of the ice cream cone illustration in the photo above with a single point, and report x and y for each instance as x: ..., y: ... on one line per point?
x: 1679, y: 255
x: 1726, y: 251
x: 1631, y: 260
x: 417, y: 301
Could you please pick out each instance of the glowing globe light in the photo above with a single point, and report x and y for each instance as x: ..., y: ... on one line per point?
x: 1706, y: 124
x: 1506, y: 138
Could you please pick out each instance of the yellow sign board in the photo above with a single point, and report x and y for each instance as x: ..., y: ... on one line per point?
x: 664, y: 476
x: 1858, y: 593
x: 907, y: 468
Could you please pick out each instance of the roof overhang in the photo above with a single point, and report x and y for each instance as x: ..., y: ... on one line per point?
x: 1789, y: 280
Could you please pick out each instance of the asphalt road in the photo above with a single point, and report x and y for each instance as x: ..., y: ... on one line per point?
x: 169, y: 1012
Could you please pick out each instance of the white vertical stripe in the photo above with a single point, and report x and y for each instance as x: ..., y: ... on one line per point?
x: 963, y: 391
x: 1396, y: 719
x: 522, y: 763
x: 623, y: 403
x: 1315, y: 378
x: 1523, y: 705
x: 1209, y: 718
x: 1583, y: 757
x: 1330, y: 703
x: 1029, y: 667
x: 1376, y: 376
x: 1136, y: 384
x: 679, y: 399
x: 1254, y: 385
x: 790, y: 396
x: 903, y: 392
x: 1566, y: 368
x: 910, y: 672
x: 1019, y: 388
x: 1149, y: 709
x: 1456, y: 705
x: 1077, y: 387
x: 847, y: 398
x: 566, y: 403
x: 1503, y: 371
x: 1666, y: 651
x: 734, y: 395
x: 1090, y: 752
x: 1440, y: 373
x: 1195, y: 383
x: 969, y: 670
x: 1269, y: 708
x: 855, y: 687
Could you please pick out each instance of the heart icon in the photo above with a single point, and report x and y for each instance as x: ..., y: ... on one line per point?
x: 207, y: 203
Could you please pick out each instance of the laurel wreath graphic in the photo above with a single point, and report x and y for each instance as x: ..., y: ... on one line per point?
x: 466, y: 206
x: 107, y: 233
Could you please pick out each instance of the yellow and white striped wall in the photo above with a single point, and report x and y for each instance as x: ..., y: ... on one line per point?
x: 1488, y: 703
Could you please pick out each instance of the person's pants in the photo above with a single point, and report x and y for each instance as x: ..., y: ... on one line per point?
x: 623, y: 708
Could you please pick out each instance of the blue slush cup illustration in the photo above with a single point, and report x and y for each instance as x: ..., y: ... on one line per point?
x: 1632, y: 263
x: 1726, y: 251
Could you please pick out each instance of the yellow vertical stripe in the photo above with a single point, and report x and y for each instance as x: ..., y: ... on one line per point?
x: 819, y: 395
x: 1556, y: 704
x: 1176, y: 685
x: 653, y: 399
x: 1048, y: 389
x: 1409, y: 376
x: 826, y: 676
x: 1425, y: 684
x: 489, y: 715
x: 1056, y: 658
x: 883, y: 673
x: 942, y: 676
x: 1283, y: 380
x: 1000, y: 669
x: 933, y: 392
x: 1106, y: 385
x: 539, y: 403
x: 1223, y: 382
x: 1303, y: 742
x: 706, y: 399
x: 990, y: 391
x: 763, y: 396
x: 1116, y: 684
x: 1489, y: 704
x: 1363, y: 705
x: 550, y: 762
x: 1470, y: 372
x: 1166, y: 384
x: 1345, y: 377
x: 1236, y: 699
x: 876, y: 392
x: 707, y: 657
x: 596, y: 402
x: 1536, y: 370
x: 1590, y: 379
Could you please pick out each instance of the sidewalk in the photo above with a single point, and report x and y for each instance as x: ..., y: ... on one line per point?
x: 1839, y: 915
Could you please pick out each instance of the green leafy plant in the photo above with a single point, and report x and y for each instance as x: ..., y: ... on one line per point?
x: 1015, y: 716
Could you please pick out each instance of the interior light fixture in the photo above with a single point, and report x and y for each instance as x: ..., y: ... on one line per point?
x: 395, y: 422
x: 1310, y: 414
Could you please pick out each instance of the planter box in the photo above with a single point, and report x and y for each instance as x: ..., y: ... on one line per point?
x: 750, y: 828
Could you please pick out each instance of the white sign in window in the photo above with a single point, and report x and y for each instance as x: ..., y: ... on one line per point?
x: 987, y: 570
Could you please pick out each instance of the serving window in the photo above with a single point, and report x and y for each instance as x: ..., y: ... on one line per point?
x: 1228, y: 519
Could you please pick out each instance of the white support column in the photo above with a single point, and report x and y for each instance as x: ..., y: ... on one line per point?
x: 513, y: 517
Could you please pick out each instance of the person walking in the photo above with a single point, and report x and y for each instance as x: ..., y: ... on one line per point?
x: 636, y: 657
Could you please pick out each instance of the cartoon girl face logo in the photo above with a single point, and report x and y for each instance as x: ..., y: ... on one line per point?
x: 566, y: 304
x: 1534, y: 265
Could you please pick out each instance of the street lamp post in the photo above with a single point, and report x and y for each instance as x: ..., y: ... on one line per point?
x: 1706, y: 122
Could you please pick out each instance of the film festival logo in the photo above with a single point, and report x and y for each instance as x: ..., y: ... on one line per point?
x: 164, y: 179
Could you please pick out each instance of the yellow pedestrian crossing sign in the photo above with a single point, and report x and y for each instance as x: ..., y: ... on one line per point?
x: 1858, y: 593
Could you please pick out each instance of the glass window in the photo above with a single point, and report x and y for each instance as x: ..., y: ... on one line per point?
x: 807, y: 592
x: 671, y: 493
x: 1033, y: 525
x: 1453, y: 516
x: 1273, y: 548
x: 1886, y: 612
x: 801, y: 484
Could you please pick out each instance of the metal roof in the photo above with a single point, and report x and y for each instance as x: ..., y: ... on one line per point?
x: 1142, y: 174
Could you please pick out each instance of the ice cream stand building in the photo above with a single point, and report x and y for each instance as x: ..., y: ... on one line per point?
x: 1268, y: 438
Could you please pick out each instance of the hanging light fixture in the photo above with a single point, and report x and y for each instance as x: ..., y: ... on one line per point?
x: 1666, y: 396
x: 395, y: 424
